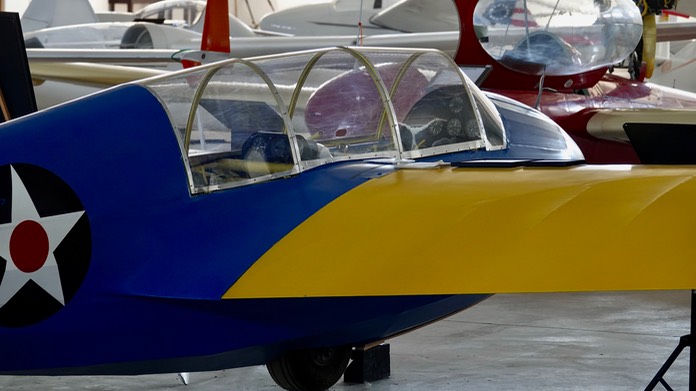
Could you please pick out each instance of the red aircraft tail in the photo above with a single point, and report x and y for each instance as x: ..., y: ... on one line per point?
x: 216, y: 30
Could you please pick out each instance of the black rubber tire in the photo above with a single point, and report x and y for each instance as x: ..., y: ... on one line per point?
x: 310, y: 370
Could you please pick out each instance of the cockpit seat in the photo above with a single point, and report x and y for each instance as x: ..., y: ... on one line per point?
x: 266, y: 153
x: 309, y: 149
x: 540, y: 52
x: 408, y: 142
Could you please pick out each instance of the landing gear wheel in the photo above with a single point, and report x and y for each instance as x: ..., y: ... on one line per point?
x: 310, y: 370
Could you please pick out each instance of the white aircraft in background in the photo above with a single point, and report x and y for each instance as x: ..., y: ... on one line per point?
x: 676, y: 60
x: 676, y: 70
x: 48, y: 13
x: 338, y: 17
x: 44, y: 14
x: 438, y: 17
x: 176, y: 21
x: 73, y: 24
x: 63, y: 52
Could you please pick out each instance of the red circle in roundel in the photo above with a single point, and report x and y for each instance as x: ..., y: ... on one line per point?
x: 29, y: 246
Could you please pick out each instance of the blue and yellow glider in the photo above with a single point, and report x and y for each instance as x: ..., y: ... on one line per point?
x: 289, y: 208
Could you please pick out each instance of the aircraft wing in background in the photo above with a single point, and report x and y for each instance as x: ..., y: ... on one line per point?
x: 673, y: 26
x: 97, y: 75
x: 610, y: 124
x: 61, y: 75
x: 130, y: 64
x: 419, y: 16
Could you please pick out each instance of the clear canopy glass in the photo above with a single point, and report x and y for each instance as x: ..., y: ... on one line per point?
x: 247, y: 120
x: 558, y: 37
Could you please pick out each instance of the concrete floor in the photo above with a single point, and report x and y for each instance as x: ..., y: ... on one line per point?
x: 570, y: 341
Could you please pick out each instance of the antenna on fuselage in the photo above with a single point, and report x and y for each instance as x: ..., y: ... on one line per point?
x: 358, y: 41
x: 541, y: 88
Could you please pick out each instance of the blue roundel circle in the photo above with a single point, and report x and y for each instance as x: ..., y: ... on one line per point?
x: 45, y: 244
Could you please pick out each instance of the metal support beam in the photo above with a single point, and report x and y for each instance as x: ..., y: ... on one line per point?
x: 684, y: 341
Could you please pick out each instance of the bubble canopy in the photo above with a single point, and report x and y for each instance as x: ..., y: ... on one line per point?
x: 558, y: 37
x: 242, y: 121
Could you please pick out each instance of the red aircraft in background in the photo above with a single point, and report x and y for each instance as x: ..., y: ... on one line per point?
x: 558, y: 56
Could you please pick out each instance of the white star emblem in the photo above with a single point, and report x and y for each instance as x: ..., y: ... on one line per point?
x: 27, y: 244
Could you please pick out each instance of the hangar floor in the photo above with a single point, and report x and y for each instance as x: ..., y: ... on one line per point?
x: 560, y: 341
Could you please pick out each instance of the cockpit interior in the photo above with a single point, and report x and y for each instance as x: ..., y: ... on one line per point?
x: 248, y: 120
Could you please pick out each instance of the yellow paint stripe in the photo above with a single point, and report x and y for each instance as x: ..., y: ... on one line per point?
x: 458, y: 231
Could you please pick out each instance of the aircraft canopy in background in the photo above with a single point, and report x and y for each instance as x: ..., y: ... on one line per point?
x: 552, y: 39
